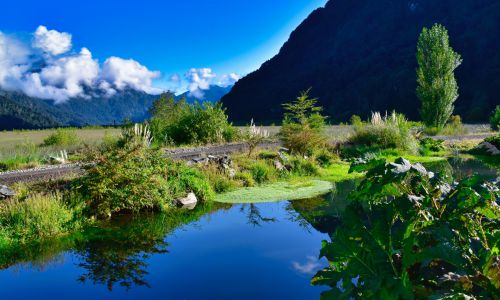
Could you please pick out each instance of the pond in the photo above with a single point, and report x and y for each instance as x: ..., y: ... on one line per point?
x: 244, y: 251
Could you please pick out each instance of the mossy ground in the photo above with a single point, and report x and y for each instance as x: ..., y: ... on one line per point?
x: 290, y: 190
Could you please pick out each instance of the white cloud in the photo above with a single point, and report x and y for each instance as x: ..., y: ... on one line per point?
x: 14, y: 61
x: 228, y: 79
x: 310, y: 267
x: 59, y: 75
x: 129, y: 73
x: 200, y: 80
x: 64, y: 78
x: 51, y: 41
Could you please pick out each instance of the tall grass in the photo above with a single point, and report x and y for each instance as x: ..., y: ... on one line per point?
x: 38, y: 216
x: 385, y: 132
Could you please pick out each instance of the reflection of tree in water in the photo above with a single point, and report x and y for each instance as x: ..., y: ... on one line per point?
x: 119, y: 254
x: 115, y: 262
x: 113, y: 254
x: 323, y: 212
x: 254, y: 215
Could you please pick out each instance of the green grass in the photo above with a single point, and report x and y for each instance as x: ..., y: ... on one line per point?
x: 291, y: 190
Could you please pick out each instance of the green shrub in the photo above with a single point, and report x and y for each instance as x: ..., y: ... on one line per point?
x: 137, y: 178
x: 304, y: 167
x: 408, y: 234
x: 454, y: 126
x: 356, y: 121
x: 387, y: 132
x: 428, y: 145
x: 62, y: 137
x: 177, y: 122
x: 495, y: 119
x: 303, y: 125
x: 262, y: 172
x: 222, y: 184
x: 325, y: 158
x: 245, y: 178
x: 37, y: 217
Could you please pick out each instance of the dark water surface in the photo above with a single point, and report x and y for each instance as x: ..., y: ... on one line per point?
x: 261, y: 251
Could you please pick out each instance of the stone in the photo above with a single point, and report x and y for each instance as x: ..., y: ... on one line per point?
x: 231, y: 173
x: 6, y: 192
x: 279, y: 166
x: 188, y: 202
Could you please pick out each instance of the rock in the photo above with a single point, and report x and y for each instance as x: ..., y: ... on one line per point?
x: 5, y: 192
x: 401, y: 165
x: 490, y: 148
x: 231, y: 173
x: 188, y: 202
x: 279, y: 166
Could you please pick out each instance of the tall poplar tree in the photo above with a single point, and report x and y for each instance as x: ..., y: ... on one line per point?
x: 437, y: 86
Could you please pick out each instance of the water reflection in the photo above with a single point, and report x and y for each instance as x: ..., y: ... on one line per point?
x: 254, y: 215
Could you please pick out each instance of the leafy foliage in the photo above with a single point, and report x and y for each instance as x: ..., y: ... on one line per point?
x: 136, y: 178
x: 495, y: 119
x: 177, y: 122
x: 387, y: 132
x: 409, y: 234
x: 62, y: 137
x: 437, y: 87
x: 303, y: 125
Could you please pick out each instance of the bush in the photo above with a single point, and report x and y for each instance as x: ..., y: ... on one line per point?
x: 304, y: 167
x: 303, y: 125
x: 262, y: 172
x: 495, y: 119
x: 325, y: 158
x: 177, y: 122
x: 37, y: 217
x: 387, y: 132
x: 454, y: 126
x: 61, y: 137
x: 137, y: 178
x: 431, y: 145
x: 246, y: 179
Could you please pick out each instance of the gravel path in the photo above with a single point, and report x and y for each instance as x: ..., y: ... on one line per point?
x: 57, y: 171
x: 53, y: 172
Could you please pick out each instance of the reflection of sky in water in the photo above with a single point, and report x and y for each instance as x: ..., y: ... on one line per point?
x: 310, y: 266
x: 246, y: 252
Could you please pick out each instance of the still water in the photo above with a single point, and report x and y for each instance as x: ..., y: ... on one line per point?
x: 261, y: 251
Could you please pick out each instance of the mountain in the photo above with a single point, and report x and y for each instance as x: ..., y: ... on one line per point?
x: 358, y: 56
x: 20, y: 111
x: 213, y: 94
x: 14, y: 115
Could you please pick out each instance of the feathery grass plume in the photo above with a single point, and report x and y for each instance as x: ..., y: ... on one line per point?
x: 139, y: 133
x: 254, y: 136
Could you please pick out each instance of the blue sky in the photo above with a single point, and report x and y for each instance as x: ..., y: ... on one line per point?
x: 168, y: 36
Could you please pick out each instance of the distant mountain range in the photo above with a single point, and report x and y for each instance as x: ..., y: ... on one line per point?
x: 359, y: 56
x: 18, y: 111
x: 213, y: 94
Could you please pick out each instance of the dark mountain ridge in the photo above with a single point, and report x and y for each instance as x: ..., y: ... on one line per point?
x: 359, y: 56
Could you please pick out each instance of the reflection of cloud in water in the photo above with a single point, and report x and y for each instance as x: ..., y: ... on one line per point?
x: 311, y: 266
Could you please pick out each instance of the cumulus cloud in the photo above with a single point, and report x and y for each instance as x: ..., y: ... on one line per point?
x: 64, y: 78
x: 228, y: 79
x: 14, y: 61
x: 129, y: 73
x: 59, y: 75
x: 200, y: 80
x: 51, y: 41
